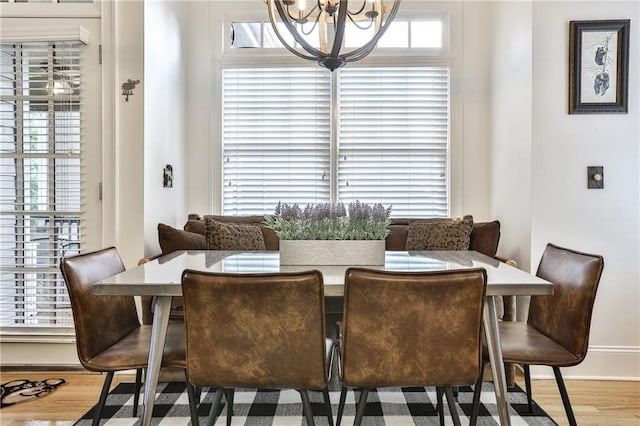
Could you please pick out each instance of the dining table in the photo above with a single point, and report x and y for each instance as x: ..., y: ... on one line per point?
x: 162, y: 277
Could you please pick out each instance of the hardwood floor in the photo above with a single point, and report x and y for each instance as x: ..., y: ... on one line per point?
x: 594, y: 402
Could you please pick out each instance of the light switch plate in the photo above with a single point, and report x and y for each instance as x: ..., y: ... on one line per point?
x: 595, y: 177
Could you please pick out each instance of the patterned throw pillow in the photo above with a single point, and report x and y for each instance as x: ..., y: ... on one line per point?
x: 440, y: 234
x: 231, y: 236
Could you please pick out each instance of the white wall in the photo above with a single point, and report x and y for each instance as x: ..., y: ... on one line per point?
x: 510, y: 105
x: 563, y: 210
x: 202, y: 103
x: 126, y: 172
x: 476, y: 119
x: 165, y: 113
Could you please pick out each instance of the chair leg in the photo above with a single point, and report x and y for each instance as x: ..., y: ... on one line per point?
x: 136, y: 392
x: 343, y: 398
x: 103, y: 399
x: 228, y: 393
x: 193, y: 402
x: 477, y: 390
x: 306, y: 407
x: 362, y: 403
x: 527, y: 385
x: 451, y: 401
x: 565, y: 396
x: 440, y: 405
x: 214, y: 407
x: 327, y: 405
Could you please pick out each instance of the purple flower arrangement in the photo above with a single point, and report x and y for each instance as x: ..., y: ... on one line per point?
x: 327, y: 221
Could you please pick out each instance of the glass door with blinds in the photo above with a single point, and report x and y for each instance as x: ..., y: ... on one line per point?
x: 49, y: 174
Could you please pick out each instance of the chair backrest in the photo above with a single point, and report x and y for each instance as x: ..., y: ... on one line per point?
x: 412, y: 328
x: 566, y: 315
x: 255, y: 330
x: 99, y: 321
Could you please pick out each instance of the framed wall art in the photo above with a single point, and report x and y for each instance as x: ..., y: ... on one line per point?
x: 598, y: 66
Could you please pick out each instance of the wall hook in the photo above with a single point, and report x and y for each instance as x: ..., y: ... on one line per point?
x: 127, y: 88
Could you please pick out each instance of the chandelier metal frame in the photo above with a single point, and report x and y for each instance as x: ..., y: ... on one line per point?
x: 330, y: 16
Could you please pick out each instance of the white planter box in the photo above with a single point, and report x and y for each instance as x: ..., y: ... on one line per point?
x: 332, y: 252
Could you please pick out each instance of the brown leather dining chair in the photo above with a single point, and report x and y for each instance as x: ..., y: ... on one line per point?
x: 556, y: 333
x: 109, y: 336
x: 411, y: 329
x: 256, y: 331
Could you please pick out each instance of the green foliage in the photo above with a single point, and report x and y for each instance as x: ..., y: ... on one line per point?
x: 330, y: 221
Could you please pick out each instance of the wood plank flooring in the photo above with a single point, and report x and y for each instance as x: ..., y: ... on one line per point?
x: 594, y: 402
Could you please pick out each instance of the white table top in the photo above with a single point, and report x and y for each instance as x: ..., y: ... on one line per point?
x: 162, y: 276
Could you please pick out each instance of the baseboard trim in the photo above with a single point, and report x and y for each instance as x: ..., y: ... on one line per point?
x: 620, y: 363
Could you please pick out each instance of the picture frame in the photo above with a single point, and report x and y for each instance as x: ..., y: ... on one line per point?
x: 598, y: 66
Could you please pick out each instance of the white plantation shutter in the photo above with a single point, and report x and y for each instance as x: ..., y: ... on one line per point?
x: 276, y: 133
x: 41, y: 207
x: 393, y: 137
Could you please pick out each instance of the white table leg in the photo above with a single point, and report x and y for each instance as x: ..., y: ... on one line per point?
x: 495, y: 355
x: 158, y: 336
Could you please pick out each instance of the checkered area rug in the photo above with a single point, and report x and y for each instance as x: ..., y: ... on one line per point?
x: 389, y: 406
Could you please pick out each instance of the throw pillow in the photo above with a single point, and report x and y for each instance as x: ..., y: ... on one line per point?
x: 232, y: 236
x: 440, y: 234
x: 485, y: 237
x: 172, y: 239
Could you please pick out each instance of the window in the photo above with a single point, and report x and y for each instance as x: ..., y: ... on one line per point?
x: 374, y: 131
x: 41, y: 207
x: 276, y: 125
x: 393, y: 133
x: 400, y: 34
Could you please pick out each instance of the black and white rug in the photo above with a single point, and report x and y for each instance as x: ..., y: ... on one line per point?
x: 392, y: 406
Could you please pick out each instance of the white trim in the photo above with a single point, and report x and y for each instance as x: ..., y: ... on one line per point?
x: 44, y: 33
x: 601, y: 363
x: 109, y: 87
x: 51, y: 10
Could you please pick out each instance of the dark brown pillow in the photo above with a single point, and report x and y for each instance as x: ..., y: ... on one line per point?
x: 485, y: 237
x: 172, y: 239
x: 232, y: 236
x: 440, y: 234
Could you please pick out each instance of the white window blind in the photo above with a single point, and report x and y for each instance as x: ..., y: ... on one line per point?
x: 276, y: 132
x: 41, y: 206
x: 393, y: 138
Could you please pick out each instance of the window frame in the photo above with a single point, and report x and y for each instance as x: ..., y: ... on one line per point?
x: 11, y: 9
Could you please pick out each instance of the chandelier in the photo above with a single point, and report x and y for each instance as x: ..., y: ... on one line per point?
x: 327, y: 20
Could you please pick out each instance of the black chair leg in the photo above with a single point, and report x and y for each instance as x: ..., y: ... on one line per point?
x: 565, y: 396
x: 136, y: 392
x: 362, y: 403
x: 103, y: 399
x: 193, y: 402
x: 527, y: 385
x: 327, y: 405
x: 306, y: 407
x: 343, y: 398
x: 451, y: 401
x: 214, y: 407
x: 477, y: 390
x: 228, y: 393
x: 440, y: 405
